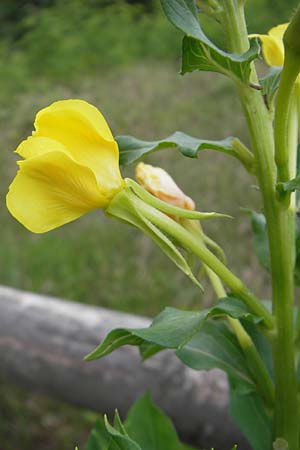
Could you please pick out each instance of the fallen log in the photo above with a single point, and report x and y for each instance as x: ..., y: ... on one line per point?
x: 43, y: 341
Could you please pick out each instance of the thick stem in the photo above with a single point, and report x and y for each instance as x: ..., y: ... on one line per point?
x: 280, y: 231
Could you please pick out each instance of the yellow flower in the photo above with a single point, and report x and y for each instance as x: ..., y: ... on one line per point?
x: 272, y: 45
x: 70, y: 167
x: 160, y: 184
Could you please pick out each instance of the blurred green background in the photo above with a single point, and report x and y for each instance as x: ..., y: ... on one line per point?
x: 124, y: 57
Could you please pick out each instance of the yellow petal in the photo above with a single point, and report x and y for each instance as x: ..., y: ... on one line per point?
x: 50, y: 190
x: 35, y: 146
x: 83, y: 131
x: 273, y: 50
x: 159, y: 183
x: 272, y: 45
x: 278, y: 31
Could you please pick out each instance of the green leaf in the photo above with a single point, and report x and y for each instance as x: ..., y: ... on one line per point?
x: 99, y: 438
x: 216, y: 347
x: 119, y: 437
x: 197, y: 55
x: 198, y: 51
x: 260, y: 239
x: 172, y: 328
x: 291, y: 185
x: 262, y: 345
x: 249, y: 414
x: 150, y: 427
x: 235, y: 308
x: 146, y: 428
x: 132, y: 149
x: 270, y: 85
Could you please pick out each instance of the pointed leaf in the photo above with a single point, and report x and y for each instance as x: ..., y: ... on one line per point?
x: 150, y: 427
x: 132, y: 149
x: 216, y: 347
x: 122, y: 441
x: 115, y: 339
x: 249, y: 414
x: 196, y: 46
x: 172, y: 328
x: 99, y: 438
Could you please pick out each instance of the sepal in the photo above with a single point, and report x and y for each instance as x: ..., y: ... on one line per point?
x: 168, y: 208
x: 125, y: 207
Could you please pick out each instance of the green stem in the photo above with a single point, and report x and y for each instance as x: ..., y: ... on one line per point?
x: 189, y: 241
x: 292, y: 142
x: 280, y: 232
x: 281, y: 121
x: 256, y: 364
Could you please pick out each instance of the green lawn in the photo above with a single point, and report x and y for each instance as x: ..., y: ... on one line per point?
x: 80, y: 261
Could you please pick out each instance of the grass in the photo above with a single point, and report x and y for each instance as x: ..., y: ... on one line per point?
x: 80, y: 262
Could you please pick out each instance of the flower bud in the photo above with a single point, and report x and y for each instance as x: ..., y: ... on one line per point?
x: 160, y: 184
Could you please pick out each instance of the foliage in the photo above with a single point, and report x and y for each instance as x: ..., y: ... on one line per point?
x: 237, y: 334
x: 49, y: 46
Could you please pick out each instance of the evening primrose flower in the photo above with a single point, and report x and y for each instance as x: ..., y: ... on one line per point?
x: 160, y: 184
x: 70, y: 167
x: 272, y: 45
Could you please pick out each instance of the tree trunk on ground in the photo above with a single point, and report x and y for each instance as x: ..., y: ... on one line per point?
x: 43, y: 341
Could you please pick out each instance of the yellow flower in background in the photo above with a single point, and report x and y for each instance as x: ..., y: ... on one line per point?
x: 272, y: 45
x: 160, y: 184
x: 70, y: 167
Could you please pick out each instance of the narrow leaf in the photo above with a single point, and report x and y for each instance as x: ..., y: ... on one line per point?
x: 122, y: 441
x: 99, y: 438
x: 132, y: 149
